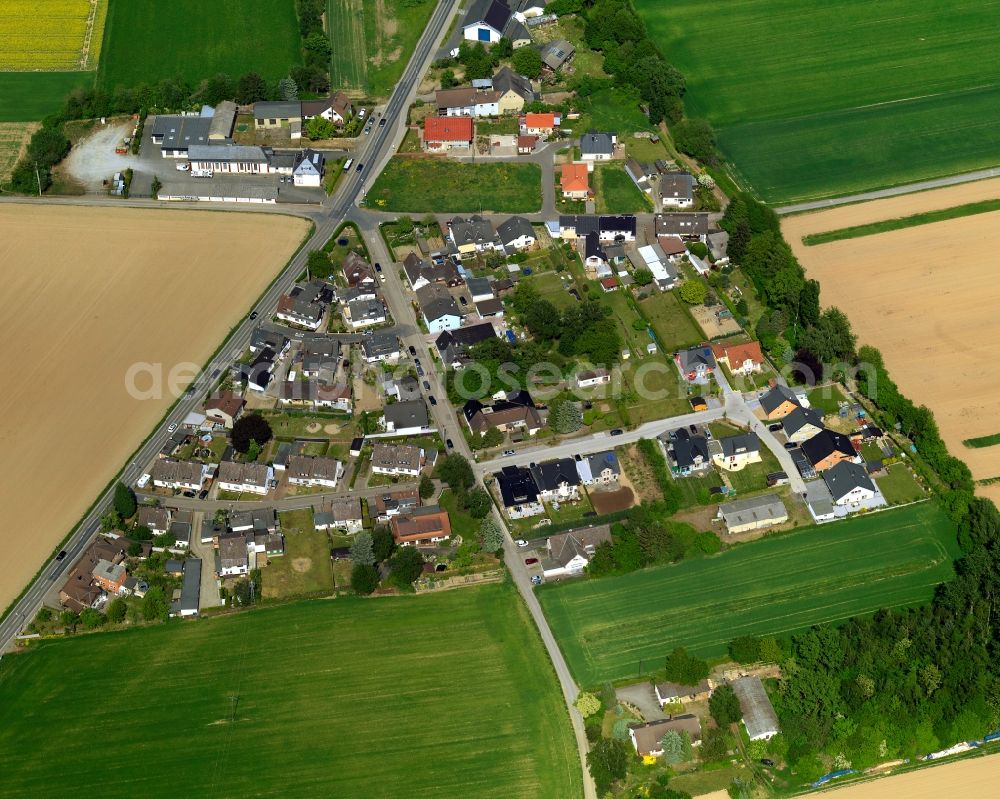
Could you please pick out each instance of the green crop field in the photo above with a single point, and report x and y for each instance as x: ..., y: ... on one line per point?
x: 439, y: 696
x: 820, y: 99
x: 436, y: 185
x: 612, y: 627
x: 194, y: 39
x: 372, y: 41
x: 31, y: 96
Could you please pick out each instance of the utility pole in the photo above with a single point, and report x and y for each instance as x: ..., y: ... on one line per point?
x: 38, y: 179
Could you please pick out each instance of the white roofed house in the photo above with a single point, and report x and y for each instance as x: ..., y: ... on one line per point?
x: 653, y: 258
x: 231, y: 158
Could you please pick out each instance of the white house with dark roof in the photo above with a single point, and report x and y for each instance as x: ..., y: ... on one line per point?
x: 732, y: 453
x: 557, y: 481
x: 568, y: 554
x: 597, y: 146
x: 599, y: 468
x: 405, y: 418
x: 851, y: 487
x: 438, y: 308
x: 676, y: 190
x: 516, y: 234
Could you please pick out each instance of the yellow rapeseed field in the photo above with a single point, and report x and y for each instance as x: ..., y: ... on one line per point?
x: 52, y: 35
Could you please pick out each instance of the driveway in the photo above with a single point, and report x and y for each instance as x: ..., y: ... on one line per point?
x: 209, y: 583
x: 642, y: 697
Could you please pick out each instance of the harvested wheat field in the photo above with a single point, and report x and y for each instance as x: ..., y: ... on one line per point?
x: 87, y: 293
x: 926, y: 297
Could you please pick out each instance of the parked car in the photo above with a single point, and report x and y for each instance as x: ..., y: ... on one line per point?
x: 693, y: 428
x: 253, y: 315
x: 171, y: 427
x: 378, y: 267
x: 449, y: 444
x: 203, y: 493
x: 508, y: 452
x: 774, y: 428
x: 420, y: 370
x: 362, y: 112
x: 381, y: 122
x: 766, y: 761
x: 427, y: 385
x: 791, y: 445
x: 61, y: 555
x: 189, y: 494
x: 617, y: 431
x: 416, y: 361
x: 433, y: 401
x: 530, y: 561
x: 463, y: 301
x: 536, y: 579
x: 521, y: 542
x: 413, y: 350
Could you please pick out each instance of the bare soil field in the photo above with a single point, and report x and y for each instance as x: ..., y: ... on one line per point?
x: 612, y: 501
x: 89, y: 292
x: 926, y: 297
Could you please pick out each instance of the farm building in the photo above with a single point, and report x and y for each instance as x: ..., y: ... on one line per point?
x: 488, y: 21
x: 756, y: 513
x: 759, y: 718
x: 670, y: 693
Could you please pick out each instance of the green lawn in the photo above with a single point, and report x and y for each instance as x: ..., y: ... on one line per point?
x: 612, y: 110
x: 194, y: 39
x: 902, y: 90
x: 373, y: 41
x: 550, y: 286
x: 462, y: 522
x: 694, y: 489
x: 899, y: 485
x: 616, y: 193
x: 448, y: 695
x: 826, y: 399
x: 983, y: 441
x: 436, y: 185
x: 672, y: 323
x: 30, y: 96
x: 305, y: 569
x: 754, y: 477
x: 776, y: 585
x: 902, y: 222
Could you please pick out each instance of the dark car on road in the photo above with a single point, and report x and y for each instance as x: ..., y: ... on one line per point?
x: 420, y: 370
x: 360, y: 167
x: 433, y: 401
x: 61, y: 555
x: 450, y: 444
x: 381, y: 122
x: 253, y: 315
x: 189, y: 494
x: 530, y: 561
x: 617, y: 431
x: 791, y: 445
x: 203, y: 493
x: 427, y: 385
x: 413, y: 350
x: 774, y: 428
x: 378, y: 267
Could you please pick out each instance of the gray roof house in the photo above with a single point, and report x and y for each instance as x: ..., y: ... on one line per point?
x: 436, y: 303
x: 516, y: 233
x: 755, y: 513
x: 597, y: 146
x: 759, y: 717
x: 599, y: 467
x: 556, y: 53
x: 686, y: 225
x: 403, y: 416
x: 848, y: 481
x: 475, y: 231
x: 277, y: 109
x: 187, y: 603
x: 506, y: 80
x: 695, y: 361
x: 380, y: 347
x: 802, y: 423
x: 677, y: 190
x: 569, y: 553
x: 688, y: 453
x: 740, y: 444
x: 556, y: 479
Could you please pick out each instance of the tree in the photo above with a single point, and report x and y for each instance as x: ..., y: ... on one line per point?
x: 288, y: 90
x: 155, y: 187
x: 251, y: 88
x: 527, y: 61
x: 91, y: 619
x: 363, y: 549
x: 319, y: 128
x: 714, y: 745
x: 253, y: 451
x: 685, y: 669
x: 745, y: 649
x: 642, y: 276
x: 448, y: 79
x: 134, y: 549
x: 455, y: 471
x: 124, y: 501
x: 504, y: 48
x: 319, y: 44
x: 696, y: 138
x: 111, y: 521
x: 565, y: 416
x: 724, y: 706
x: 477, y: 502
x: 117, y: 609
x: 693, y: 292
x: 492, y: 438
x: 69, y: 620
x: 383, y: 544
x: 490, y: 535
x: 608, y: 762
x: 364, y: 579
x: 407, y: 564
x: 673, y: 747
x: 154, y: 605
x: 587, y: 704
x: 141, y: 533
x: 218, y: 88
x: 426, y: 487
x: 252, y: 427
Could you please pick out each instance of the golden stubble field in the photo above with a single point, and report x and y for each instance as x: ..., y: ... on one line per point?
x: 927, y: 297
x: 86, y: 293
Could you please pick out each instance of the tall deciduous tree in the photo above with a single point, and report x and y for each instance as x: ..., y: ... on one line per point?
x: 252, y: 427
x: 724, y: 706
x: 124, y: 501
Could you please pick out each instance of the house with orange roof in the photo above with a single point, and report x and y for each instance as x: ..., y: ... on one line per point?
x: 740, y: 358
x: 533, y: 124
x: 574, y: 179
x: 447, y: 133
x: 421, y: 526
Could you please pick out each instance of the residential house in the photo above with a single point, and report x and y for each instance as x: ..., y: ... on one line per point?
x: 653, y: 258
x: 405, y: 418
x: 779, y: 402
x: 336, y: 109
x: 556, y: 54
x: 733, y: 453
x: 453, y: 345
x: 516, y: 234
x: 80, y: 591
x: 272, y: 115
x: 365, y: 313
x: 299, y: 311
x: 224, y: 408
x: 263, y: 339
x: 595, y: 146
x: 396, y: 459
x: 310, y: 166
x: 479, y: 289
x: 448, y: 133
x: 826, y: 449
x: 849, y: 484
x: 599, y: 468
x: 557, y: 480
x: 320, y: 356
x: 759, y: 718
x: 380, y: 347
x: 642, y: 175
x: 755, y: 513
x: 689, y: 226
x: 518, y: 492
x: 357, y: 271
x: 647, y: 737
x: 156, y: 519
x: 179, y: 475
x: 404, y: 389
x: 396, y: 502
x: 345, y: 514
x: 718, y: 246
x: 617, y: 229
x: 695, y: 363
x: 801, y: 424
x: 526, y: 144
x: 610, y: 284
x: 421, y: 527
x: 317, y: 395
x: 489, y: 309
x: 538, y: 124
x: 438, y: 308
x: 187, y: 604
x: 574, y: 181
x: 475, y: 234
x: 688, y: 452
x: 516, y: 412
x: 673, y: 248
x: 467, y: 102
x: 568, y: 554
x: 514, y: 90
x: 233, y: 559
x: 592, y: 377
x: 676, y: 190
x: 314, y: 471
x: 672, y: 693
x: 111, y: 577
x: 251, y: 478
x: 180, y: 531
x: 740, y: 358
x: 421, y: 272
x: 256, y: 520
x: 488, y: 21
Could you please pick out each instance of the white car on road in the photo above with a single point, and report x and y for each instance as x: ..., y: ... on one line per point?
x: 171, y: 427
x: 521, y: 542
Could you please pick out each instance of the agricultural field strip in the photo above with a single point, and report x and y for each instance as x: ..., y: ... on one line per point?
x: 51, y: 37
x: 348, y: 63
x: 982, y: 441
x: 577, y: 612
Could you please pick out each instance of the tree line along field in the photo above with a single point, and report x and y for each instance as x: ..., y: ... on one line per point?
x: 610, y: 628
x: 822, y: 99
x: 194, y: 39
x: 441, y: 696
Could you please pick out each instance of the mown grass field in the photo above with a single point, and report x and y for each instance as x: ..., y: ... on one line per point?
x: 30, y: 96
x: 616, y: 193
x: 671, y: 322
x: 194, y: 39
x: 815, y: 100
x: 439, y: 696
x: 436, y: 185
x: 372, y: 41
x: 612, y: 627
